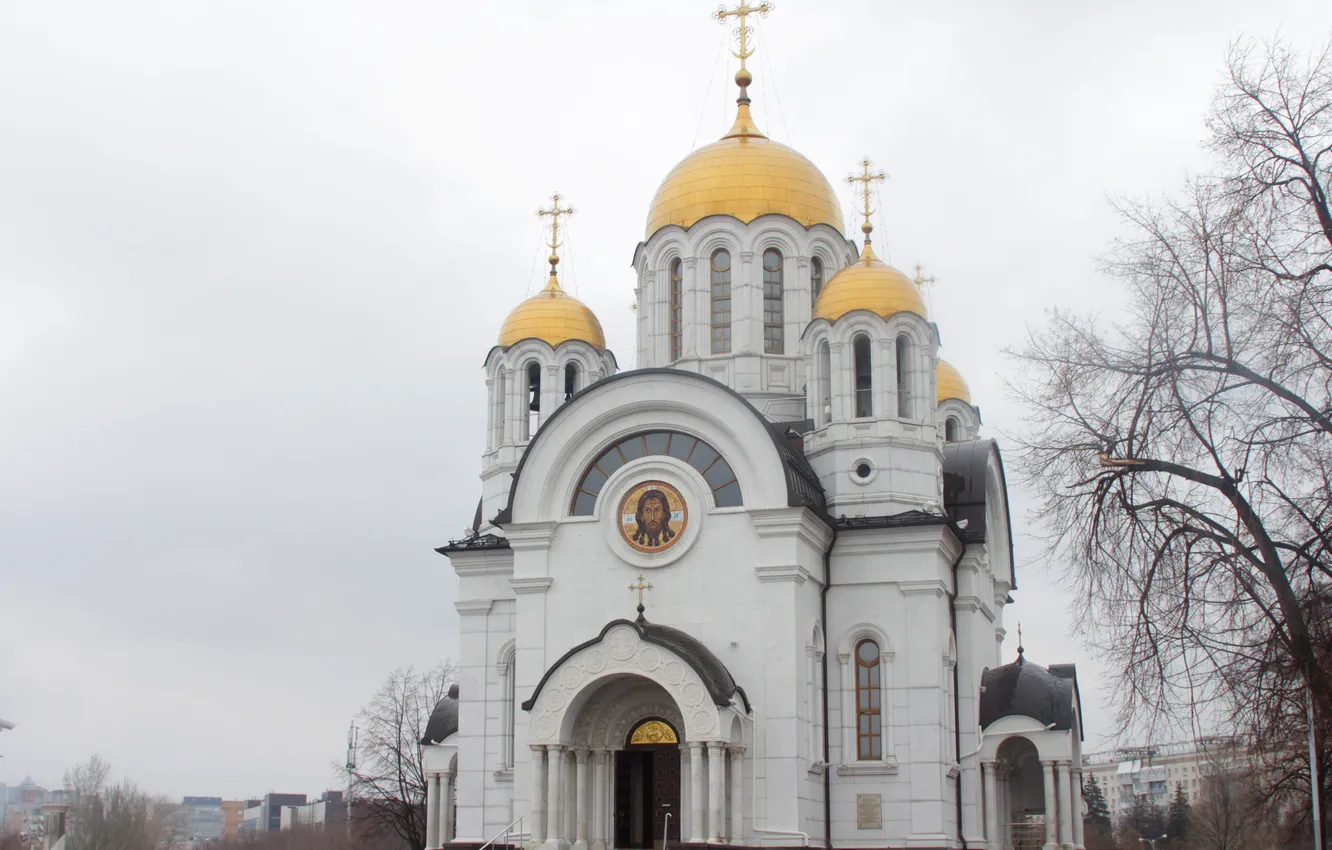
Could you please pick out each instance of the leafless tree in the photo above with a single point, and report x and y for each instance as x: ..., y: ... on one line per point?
x: 117, y: 816
x: 388, y: 782
x: 1183, y: 453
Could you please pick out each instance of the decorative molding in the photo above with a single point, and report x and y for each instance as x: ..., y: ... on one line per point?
x: 539, y: 584
x: 482, y: 562
x: 886, y: 767
x: 932, y: 587
x: 504, y: 775
x: 472, y: 607
x: 530, y: 535
x: 795, y: 573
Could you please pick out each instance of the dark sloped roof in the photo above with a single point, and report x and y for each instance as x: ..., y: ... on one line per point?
x: 1047, y: 695
x: 802, y: 485
x: 444, y: 719
x: 964, y: 466
x: 475, y: 541
x: 716, y: 678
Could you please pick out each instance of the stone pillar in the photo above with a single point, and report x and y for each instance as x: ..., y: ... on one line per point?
x: 581, y: 795
x: 538, y: 810
x: 599, y: 800
x: 696, y: 834
x: 737, y: 834
x: 432, y: 811
x: 991, y: 805
x: 1051, y: 806
x: 446, y: 800
x: 1065, y: 809
x: 569, y: 797
x: 1075, y: 807
x: 716, y: 790
x: 554, y: 793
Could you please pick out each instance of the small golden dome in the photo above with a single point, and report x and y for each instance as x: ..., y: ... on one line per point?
x: 950, y: 383
x: 868, y: 284
x: 746, y: 175
x: 554, y: 316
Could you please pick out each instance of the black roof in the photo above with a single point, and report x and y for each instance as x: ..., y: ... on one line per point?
x: 444, y: 719
x: 1048, y: 695
x: 964, y: 466
x: 716, y: 678
x: 802, y: 485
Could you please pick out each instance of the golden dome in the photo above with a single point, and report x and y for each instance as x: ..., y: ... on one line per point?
x: 950, y: 383
x: 868, y: 284
x: 554, y: 316
x: 746, y: 175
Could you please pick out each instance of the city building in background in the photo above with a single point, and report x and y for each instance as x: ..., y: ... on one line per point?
x: 330, y: 808
x: 265, y: 815
x: 21, y: 805
x: 1150, y: 773
x: 203, y: 818
x: 233, y: 815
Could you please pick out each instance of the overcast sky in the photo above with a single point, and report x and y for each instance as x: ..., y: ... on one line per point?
x: 252, y: 256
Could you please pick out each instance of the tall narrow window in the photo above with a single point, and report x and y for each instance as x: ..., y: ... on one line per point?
x: 864, y: 383
x: 824, y: 378
x: 511, y: 700
x: 869, y: 712
x: 721, y: 302
x: 950, y: 430
x: 570, y: 380
x: 772, y: 302
x: 533, y: 420
x: 903, y: 371
x: 815, y: 277
x: 501, y: 389
x: 677, y: 310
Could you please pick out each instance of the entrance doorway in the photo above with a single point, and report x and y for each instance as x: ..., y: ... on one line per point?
x: 647, y: 787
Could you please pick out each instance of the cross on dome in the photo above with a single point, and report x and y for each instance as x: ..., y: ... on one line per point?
x: 866, y: 178
x: 742, y: 12
x: 554, y: 212
x: 641, y: 587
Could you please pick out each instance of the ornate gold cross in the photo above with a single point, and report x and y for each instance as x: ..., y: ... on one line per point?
x: 921, y: 281
x: 555, y: 212
x: 641, y: 588
x: 865, y: 179
x: 743, y: 11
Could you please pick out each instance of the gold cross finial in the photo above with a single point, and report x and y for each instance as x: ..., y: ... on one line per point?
x: 641, y: 587
x: 865, y: 179
x: 554, y: 212
x: 921, y: 281
x: 1020, y: 649
x: 742, y: 12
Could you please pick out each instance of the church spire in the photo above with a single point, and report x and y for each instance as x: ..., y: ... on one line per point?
x: 554, y: 212
x: 865, y: 179
x: 744, y: 122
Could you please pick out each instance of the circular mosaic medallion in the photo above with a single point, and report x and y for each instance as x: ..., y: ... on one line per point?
x: 653, y: 516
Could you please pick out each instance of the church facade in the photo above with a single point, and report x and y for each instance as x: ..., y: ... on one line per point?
x: 753, y: 591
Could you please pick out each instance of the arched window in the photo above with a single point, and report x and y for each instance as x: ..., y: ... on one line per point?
x: 903, y: 367
x: 864, y: 384
x: 501, y: 387
x: 824, y: 379
x: 815, y: 277
x: 869, y: 713
x: 509, y: 687
x: 721, y: 302
x: 677, y: 310
x: 570, y: 380
x: 533, y: 420
x: 691, y: 450
x: 951, y: 432
x: 772, y: 302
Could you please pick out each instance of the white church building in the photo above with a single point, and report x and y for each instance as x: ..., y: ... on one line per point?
x: 751, y: 592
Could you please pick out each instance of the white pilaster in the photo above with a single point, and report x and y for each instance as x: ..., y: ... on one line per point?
x: 581, y: 795
x: 696, y: 833
x: 991, y: 804
x: 1051, y: 806
x: 446, y: 801
x: 1075, y: 808
x: 432, y: 811
x: 737, y: 832
x: 537, y: 815
x: 716, y: 790
x: 599, y: 799
x: 569, y: 796
x: 1065, y: 798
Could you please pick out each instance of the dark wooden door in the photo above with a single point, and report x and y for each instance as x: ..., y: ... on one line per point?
x: 665, y: 793
x: 647, y: 786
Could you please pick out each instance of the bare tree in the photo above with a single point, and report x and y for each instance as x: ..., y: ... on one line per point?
x: 117, y: 816
x: 388, y: 782
x: 1183, y: 455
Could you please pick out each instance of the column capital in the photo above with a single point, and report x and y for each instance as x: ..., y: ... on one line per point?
x: 1066, y: 763
x: 737, y: 751
x: 715, y: 746
x: 1048, y: 763
x: 581, y: 755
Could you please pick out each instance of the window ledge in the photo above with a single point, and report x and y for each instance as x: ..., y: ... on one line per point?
x: 818, y: 768
x: 886, y: 767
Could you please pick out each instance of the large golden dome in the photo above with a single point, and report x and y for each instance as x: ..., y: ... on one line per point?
x: 744, y: 174
x: 950, y: 383
x: 868, y: 284
x: 554, y: 316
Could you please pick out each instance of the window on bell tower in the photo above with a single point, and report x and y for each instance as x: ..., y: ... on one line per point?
x: 533, y: 419
x: 772, y: 302
x: 570, y: 380
x: 721, y: 302
x: 677, y: 310
x: 864, y: 383
x: 815, y: 278
x: 903, y: 372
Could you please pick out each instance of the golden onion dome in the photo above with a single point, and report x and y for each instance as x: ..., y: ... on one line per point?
x: 744, y: 174
x: 950, y: 383
x: 554, y: 316
x: 868, y: 284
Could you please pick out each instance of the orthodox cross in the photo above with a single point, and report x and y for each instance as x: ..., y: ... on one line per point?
x: 1019, y: 637
x: 866, y: 178
x: 642, y: 588
x: 555, y: 212
x: 922, y: 282
x: 743, y: 11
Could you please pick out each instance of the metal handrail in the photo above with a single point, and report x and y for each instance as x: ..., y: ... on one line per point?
x: 506, y: 832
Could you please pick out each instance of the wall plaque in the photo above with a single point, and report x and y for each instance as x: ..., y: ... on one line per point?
x: 869, y: 811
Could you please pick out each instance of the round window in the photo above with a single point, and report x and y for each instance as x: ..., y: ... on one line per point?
x: 864, y: 470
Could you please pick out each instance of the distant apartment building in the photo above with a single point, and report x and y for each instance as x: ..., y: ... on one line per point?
x: 233, y: 815
x: 265, y: 815
x: 203, y: 818
x: 21, y: 805
x: 1150, y: 773
x: 329, y: 809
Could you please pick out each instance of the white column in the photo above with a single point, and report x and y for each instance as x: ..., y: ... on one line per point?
x: 581, y: 795
x: 696, y: 834
x: 1075, y: 808
x: 716, y: 790
x: 1051, y: 806
x: 446, y: 801
x: 991, y: 804
x: 737, y: 834
x: 1065, y: 798
x: 554, y: 827
x: 432, y: 811
x: 599, y: 800
x: 569, y: 797
x: 537, y: 814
